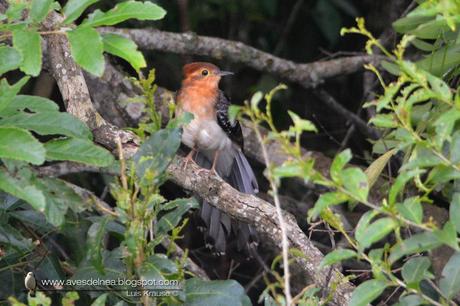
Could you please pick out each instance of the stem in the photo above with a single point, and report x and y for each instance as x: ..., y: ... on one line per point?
x: 279, y: 213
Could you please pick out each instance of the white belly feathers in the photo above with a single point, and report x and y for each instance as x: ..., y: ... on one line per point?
x: 205, y: 135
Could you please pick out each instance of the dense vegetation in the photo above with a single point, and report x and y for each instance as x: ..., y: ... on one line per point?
x: 85, y: 196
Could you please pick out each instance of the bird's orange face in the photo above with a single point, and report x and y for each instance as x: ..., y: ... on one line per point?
x: 205, y: 75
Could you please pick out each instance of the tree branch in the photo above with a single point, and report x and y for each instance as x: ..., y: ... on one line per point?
x: 306, y: 74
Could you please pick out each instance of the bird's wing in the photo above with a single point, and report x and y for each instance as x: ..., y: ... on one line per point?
x: 232, y: 129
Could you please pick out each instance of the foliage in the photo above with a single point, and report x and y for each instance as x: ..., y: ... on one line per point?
x: 418, y: 113
x: 135, y: 240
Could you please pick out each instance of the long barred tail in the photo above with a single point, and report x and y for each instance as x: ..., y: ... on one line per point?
x: 222, y: 232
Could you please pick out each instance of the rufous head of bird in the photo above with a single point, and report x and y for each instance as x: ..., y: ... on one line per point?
x: 203, y: 74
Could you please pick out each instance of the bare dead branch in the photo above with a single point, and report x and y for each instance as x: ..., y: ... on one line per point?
x: 306, y: 74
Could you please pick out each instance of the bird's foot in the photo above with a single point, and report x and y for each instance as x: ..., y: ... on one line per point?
x: 188, y: 159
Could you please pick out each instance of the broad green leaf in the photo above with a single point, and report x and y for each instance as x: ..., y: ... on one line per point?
x: 86, y: 48
x: 217, y: 293
x: 455, y: 148
x: 10, y: 59
x: 355, y: 181
x: 157, y: 267
x: 399, y: 184
x: 408, y: 23
x: 430, y: 30
x: 416, y: 269
x: 101, y: 300
x: 78, y: 150
x: 415, y: 244
x: 411, y: 209
x: 15, y: 10
x: 441, y: 61
x: 338, y: 163
x: 96, y: 234
x: 410, y: 300
x: 49, y: 123
x: 19, y: 144
x: 74, y: 8
x: 376, y: 231
x: 23, y: 190
x: 450, y: 276
x: 447, y: 235
x: 28, y: 43
x: 34, y: 104
x: 59, y: 197
x: 39, y: 9
x: 8, y: 92
x: 337, y: 256
x: 325, y: 200
x: 124, y: 11
x: 124, y: 48
x: 172, y: 218
x: 155, y: 154
x: 364, y: 223
x: 375, y: 169
x: 367, y: 292
x: 11, y: 236
x: 445, y: 124
x: 454, y: 211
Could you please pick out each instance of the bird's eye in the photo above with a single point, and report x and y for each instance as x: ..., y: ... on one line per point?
x: 205, y: 72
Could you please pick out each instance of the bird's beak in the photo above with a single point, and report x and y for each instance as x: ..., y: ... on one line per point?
x: 224, y: 73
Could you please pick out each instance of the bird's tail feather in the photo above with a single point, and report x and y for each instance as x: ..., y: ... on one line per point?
x: 241, y: 177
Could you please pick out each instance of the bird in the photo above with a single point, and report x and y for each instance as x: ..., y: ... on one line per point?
x: 30, y: 283
x: 216, y: 142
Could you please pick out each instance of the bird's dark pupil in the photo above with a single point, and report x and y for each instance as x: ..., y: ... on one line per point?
x: 204, y: 72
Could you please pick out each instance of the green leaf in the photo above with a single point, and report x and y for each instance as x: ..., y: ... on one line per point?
x: 23, y: 190
x: 100, y: 301
x: 454, y: 211
x: 217, y: 293
x: 40, y: 9
x: 410, y: 300
x: 325, y: 200
x: 367, y: 292
x: 96, y: 234
x: 157, y: 267
x: 408, y: 23
x: 10, y: 59
x: 28, y: 43
x: 49, y: 123
x: 337, y: 256
x: 338, y: 163
x: 86, y: 48
x: 74, y: 8
x: 415, y: 244
x: 441, y: 60
x: 450, y: 276
x: 59, y: 197
x: 19, y: 144
x: 355, y: 181
x: 416, y: 269
x: 155, y: 154
x: 78, y: 150
x: 384, y: 121
x: 445, y: 125
x: 172, y: 218
x: 31, y: 103
x: 300, y: 124
x: 364, y: 223
x: 399, y: 184
x: 376, y: 231
x: 447, y: 235
x: 411, y: 209
x: 124, y: 48
x: 124, y: 11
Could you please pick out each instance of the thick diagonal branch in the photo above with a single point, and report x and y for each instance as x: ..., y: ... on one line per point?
x: 306, y: 74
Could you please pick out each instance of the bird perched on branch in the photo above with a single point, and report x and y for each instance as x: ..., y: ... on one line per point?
x: 216, y: 142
